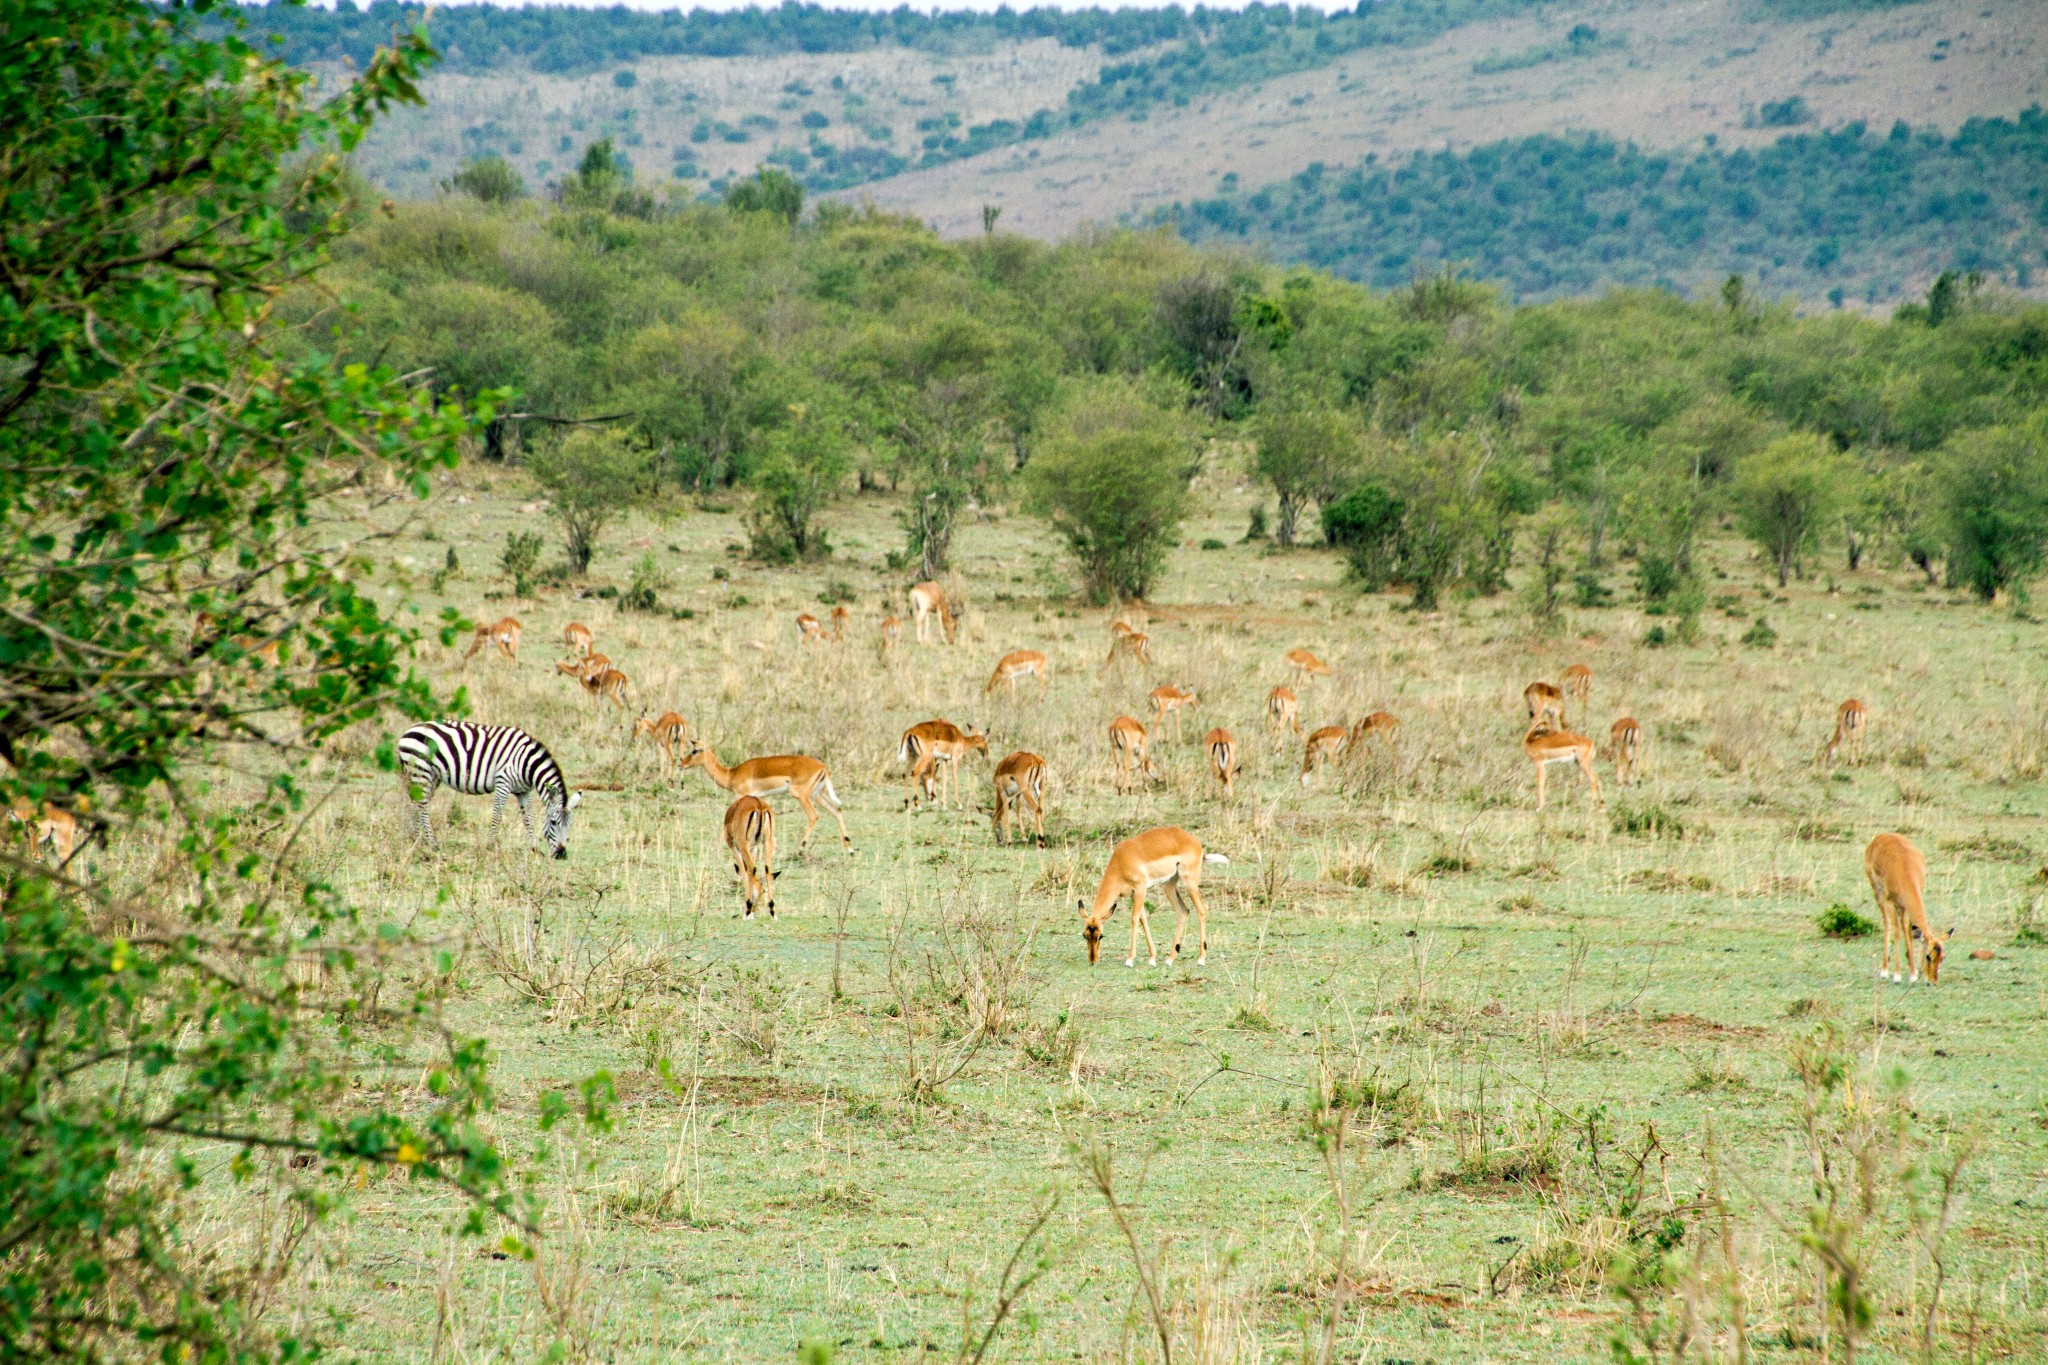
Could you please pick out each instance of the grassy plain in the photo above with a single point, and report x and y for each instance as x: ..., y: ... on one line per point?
x: 1492, y: 976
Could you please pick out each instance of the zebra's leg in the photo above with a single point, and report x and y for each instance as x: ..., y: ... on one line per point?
x: 526, y: 819
x: 419, y: 790
x: 499, y: 791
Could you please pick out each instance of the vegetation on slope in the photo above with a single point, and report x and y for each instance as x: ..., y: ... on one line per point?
x: 1551, y: 215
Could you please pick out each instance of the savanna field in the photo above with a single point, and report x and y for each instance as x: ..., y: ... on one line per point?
x: 1553, y: 1038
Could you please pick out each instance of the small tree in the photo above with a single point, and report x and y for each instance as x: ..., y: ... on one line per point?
x: 592, y: 477
x: 769, y: 190
x: 1304, y: 450
x: 798, y: 468
x: 1994, y: 501
x: 489, y: 178
x: 1784, y: 495
x: 1112, y: 477
x: 604, y: 180
x: 1366, y: 525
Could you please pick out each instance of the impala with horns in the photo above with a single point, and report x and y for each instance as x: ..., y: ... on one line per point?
x: 1127, y: 745
x: 1898, y: 879
x: 1546, y: 745
x: 932, y: 750
x: 1168, y: 702
x: 1625, y: 740
x: 502, y: 633
x: 794, y: 775
x: 749, y: 834
x: 1165, y: 856
x: 1019, y: 663
x: 1020, y: 785
x: 926, y: 601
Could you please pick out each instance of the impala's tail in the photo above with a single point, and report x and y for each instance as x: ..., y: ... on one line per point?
x: 1215, y: 858
x: 830, y: 795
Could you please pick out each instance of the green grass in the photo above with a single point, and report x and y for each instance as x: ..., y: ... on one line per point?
x: 835, y: 1125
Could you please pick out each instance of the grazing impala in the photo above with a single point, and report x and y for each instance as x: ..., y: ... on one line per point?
x: 841, y: 619
x: 1168, y: 856
x: 669, y: 731
x: 576, y: 639
x: 606, y: 684
x: 582, y: 669
x: 926, y: 746
x: 1283, y: 712
x: 1304, y: 665
x: 1020, y: 782
x: 1127, y: 746
x: 1545, y: 746
x: 1020, y: 663
x: 1323, y: 745
x: 1543, y: 700
x: 1898, y: 878
x: 1222, y: 747
x: 810, y: 630
x: 927, y: 600
x: 1625, y: 741
x: 1850, y: 721
x: 892, y: 633
x: 1380, y: 725
x: 749, y: 833
x: 504, y: 634
x: 1128, y: 644
x: 1168, y: 700
x: 795, y: 775
x: 1578, y: 684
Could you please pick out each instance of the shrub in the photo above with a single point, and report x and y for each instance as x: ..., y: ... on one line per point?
x: 836, y: 592
x: 1366, y: 524
x: 1839, y: 921
x: 1648, y: 821
x: 520, y: 557
x: 592, y: 477
x: 1760, y: 635
x: 491, y: 179
x: 769, y: 190
x: 1257, y: 529
x: 1211, y: 543
x: 643, y: 591
x: 1994, y: 502
x: 798, y: 468
x: 1112, y: 477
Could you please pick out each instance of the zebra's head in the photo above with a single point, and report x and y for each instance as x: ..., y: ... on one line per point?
x: 555, y: 828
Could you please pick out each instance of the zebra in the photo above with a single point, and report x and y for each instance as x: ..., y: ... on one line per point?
x: 500, y: 759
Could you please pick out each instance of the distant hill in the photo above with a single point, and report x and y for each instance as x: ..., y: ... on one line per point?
x: 1200, y: 116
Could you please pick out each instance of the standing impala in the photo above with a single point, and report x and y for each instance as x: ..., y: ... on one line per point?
x: 927, y: 600
x: 841, y: 619
x: 749, y: 832
x: 1546, y: 746
x: 1543, y: 701
x: 1020, y: 663
x: 1898, y: 879
x: 1578, y: 684
x: 576, y: 639
x: 1165, y: 855
x: 606, y: 684
x: 1625, y: 741
x: 794, y: 775
x: 1303, y: 665
x: 1850, y: 721
x: 1283, y: 712
x: 1323, y: 745
x: 1222, y: 747
x: 503, y: 633
x: 1127, y: 746
x: 669, y: 731
x: 927, y: 745
x: 1170, y: 701
x: 1020, y: 783
x: 1126, y: 643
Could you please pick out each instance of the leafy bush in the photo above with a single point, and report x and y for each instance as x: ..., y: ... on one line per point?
x: 1367, y: 525
x: 1646, y: 821
x: 643, y: 591
x: 1839, y: 921
x: 491, y: 179
x: 592, y: 477
x: 798, y: 468
x: 1112, y: 477
x: 520, y: 557
x: 1760, y: 635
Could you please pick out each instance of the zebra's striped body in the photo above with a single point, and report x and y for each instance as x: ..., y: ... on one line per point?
x: 474, y: 759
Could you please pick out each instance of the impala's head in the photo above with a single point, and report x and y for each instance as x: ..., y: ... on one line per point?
x: 554, y: 829
x: 694, y: 755
x: 1091, y: 931
x: 1934, y: 949
x: 643, y: 726
x: 978, y: 739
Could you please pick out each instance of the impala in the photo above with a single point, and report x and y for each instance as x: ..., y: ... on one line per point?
x: 1304, y: 665
x: 1020, y: 663
x: 841, y: 619
x: 1578, y: 683
x: 892, y: 632
x: 45, y: 824
x: 1898, y: 879
x: 749, y: 832
x: 581, y: 669
x: 809, y: 629
x: 576, y: 638
x: 1381, y: 725
x: 1323, y: 745
x: 1168, y: 856
x: 1222, y: 747
x: 1168, y: 700
x: 1850, y: 721
x: 1128, y: 644
x: 1020, y: 782
x: 1625, y: 741
x: 794, y: 775
x: 1545, y: 746
x: 504, y: 634
x: 1283, y: 712
x: 1543, y: 700
x: 927, y: 745
x: 927, y: 600
x: 1127, y: 746
x: 669, y: 731
x: 606, y: 684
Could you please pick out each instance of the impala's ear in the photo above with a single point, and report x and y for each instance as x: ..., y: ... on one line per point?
x: 1950, y: 934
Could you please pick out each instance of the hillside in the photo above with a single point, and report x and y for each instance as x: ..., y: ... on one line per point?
x: 1061, y: 121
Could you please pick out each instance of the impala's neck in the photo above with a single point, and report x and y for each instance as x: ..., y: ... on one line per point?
x: 715, y: 770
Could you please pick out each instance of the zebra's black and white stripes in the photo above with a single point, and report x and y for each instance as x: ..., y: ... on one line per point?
x: 500, y: 759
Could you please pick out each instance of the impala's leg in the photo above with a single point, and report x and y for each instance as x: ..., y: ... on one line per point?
x: 1002, y: 807
x: 1194, y: 889
x: 1140, y: 919
x: 831, y: 804
x: 767, y: 864
x: 1541, y: 769
x: 1038, y: 816
x: 1176, y: 890
x: 1592, y: 778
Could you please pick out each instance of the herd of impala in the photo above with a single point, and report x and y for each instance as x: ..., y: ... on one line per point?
x: 1168, y: 857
